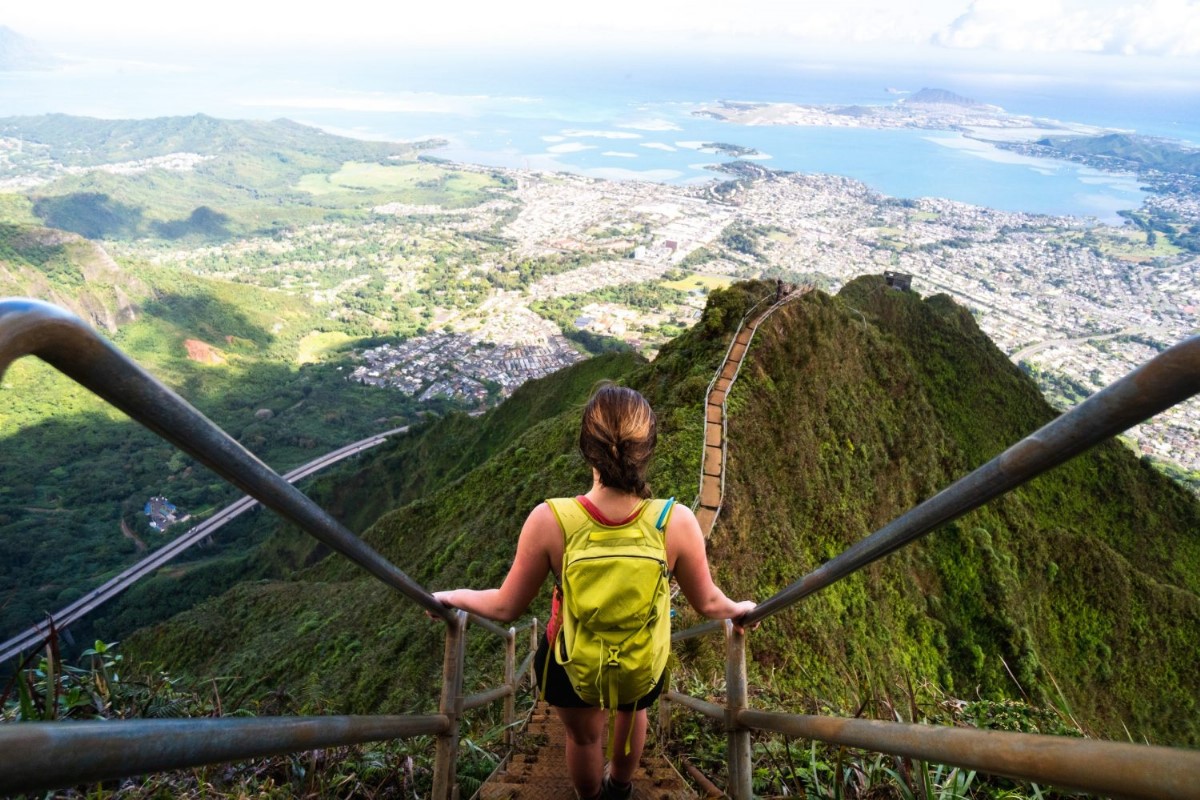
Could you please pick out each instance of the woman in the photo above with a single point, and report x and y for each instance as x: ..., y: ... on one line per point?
x: 617, y: 439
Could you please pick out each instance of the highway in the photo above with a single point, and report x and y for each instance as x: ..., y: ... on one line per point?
x: 33, y: 637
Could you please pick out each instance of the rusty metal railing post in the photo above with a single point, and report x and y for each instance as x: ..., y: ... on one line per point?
x: 445, y: 779
x: 510, y: 672
x: 738, y: 736
x: 533, y: 646
x: 664, y: 711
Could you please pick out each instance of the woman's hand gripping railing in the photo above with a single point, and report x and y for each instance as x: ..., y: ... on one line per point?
x: 1167, y: 379
x: 62, y: 340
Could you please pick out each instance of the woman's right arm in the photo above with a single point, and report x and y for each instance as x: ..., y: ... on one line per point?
x: 691, y: 569
x: 525, y: 576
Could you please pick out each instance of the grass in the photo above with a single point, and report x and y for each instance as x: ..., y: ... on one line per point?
x: 694, y: 281
x: 320, y: 345
x: 17, y: 209
x: 414, y: 183
x: 1130, y: 245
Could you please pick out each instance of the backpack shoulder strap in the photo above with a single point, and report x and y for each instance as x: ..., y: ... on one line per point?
x: 572, y: 518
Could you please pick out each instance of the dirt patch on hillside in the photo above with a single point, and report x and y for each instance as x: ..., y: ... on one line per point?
x: 202, y: 352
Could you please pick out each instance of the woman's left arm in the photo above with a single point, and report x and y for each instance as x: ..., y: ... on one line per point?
x: 525, y: 576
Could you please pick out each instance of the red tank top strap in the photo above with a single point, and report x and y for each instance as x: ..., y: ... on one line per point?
x: 597, y: 515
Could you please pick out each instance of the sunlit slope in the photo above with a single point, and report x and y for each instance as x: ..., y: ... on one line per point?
x: 849, y: 410
x: 68, y: 270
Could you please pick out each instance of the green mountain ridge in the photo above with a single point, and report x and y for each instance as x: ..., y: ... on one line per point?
x: 194, y: 177
x: 849, y: 410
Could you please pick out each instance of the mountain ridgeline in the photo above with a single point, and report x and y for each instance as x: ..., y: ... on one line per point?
x: 1080, y: 590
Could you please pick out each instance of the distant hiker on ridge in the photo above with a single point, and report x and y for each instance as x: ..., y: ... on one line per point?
x: 610, y: 619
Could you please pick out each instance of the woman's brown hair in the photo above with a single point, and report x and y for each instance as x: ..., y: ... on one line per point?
x: 617, y: 437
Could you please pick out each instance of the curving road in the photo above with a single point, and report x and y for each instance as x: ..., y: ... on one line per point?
x: 33, y: 637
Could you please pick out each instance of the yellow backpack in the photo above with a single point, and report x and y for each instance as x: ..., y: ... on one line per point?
x: 614, y: 636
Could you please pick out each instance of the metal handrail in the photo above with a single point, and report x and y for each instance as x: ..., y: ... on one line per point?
x: 1109, y: 768
x: 50, y: 755
x: 77, y: 609
x: 123, y: 748
x: 1169, y: 378
x: 489, y: 626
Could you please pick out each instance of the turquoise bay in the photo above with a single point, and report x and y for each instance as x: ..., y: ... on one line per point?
x: 638, y: 126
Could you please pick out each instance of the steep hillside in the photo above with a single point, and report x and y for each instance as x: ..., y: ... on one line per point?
x: 1089, y: 577
x: 304, y: 632
x: 849, y: 411
x: 67, y: 270
x: 76, y: 473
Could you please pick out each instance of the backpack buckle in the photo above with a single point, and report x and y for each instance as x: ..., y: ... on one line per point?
x: 614, y: 656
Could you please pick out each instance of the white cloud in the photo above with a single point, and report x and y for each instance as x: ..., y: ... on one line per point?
x: 570, y: 147
x: 658, y: 146
x: 1147, y: 27
x: 618, y: 154
x: 805, y: 29
x: 399, y: 102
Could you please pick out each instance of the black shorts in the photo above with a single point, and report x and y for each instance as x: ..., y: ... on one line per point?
x: 559, y: 691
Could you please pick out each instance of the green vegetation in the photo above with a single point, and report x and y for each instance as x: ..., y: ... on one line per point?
x: 1137, y: 245
x: 742, y: 239
x: 416, y: 184
x: 16, y: 209
x: 234, y: 177
x: 1136, y: 151
x: 76, y: 470
x: 1053, y: 586
x: 693, y: 281
x: 732, y: 150
x: 102, y: 685
x: 1180, y: 234
x: 646, y: 297
x: 320, y: 345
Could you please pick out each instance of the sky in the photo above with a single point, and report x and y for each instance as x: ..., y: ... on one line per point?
x: 1163, y: 31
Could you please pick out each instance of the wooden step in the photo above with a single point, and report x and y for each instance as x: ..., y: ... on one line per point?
x: 712, y: 461
x: 537, y: 769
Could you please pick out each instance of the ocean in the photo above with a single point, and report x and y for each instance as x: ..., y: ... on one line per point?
x: 633, y: 120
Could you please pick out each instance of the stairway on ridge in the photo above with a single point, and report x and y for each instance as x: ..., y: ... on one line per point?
x: 537, y: 769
